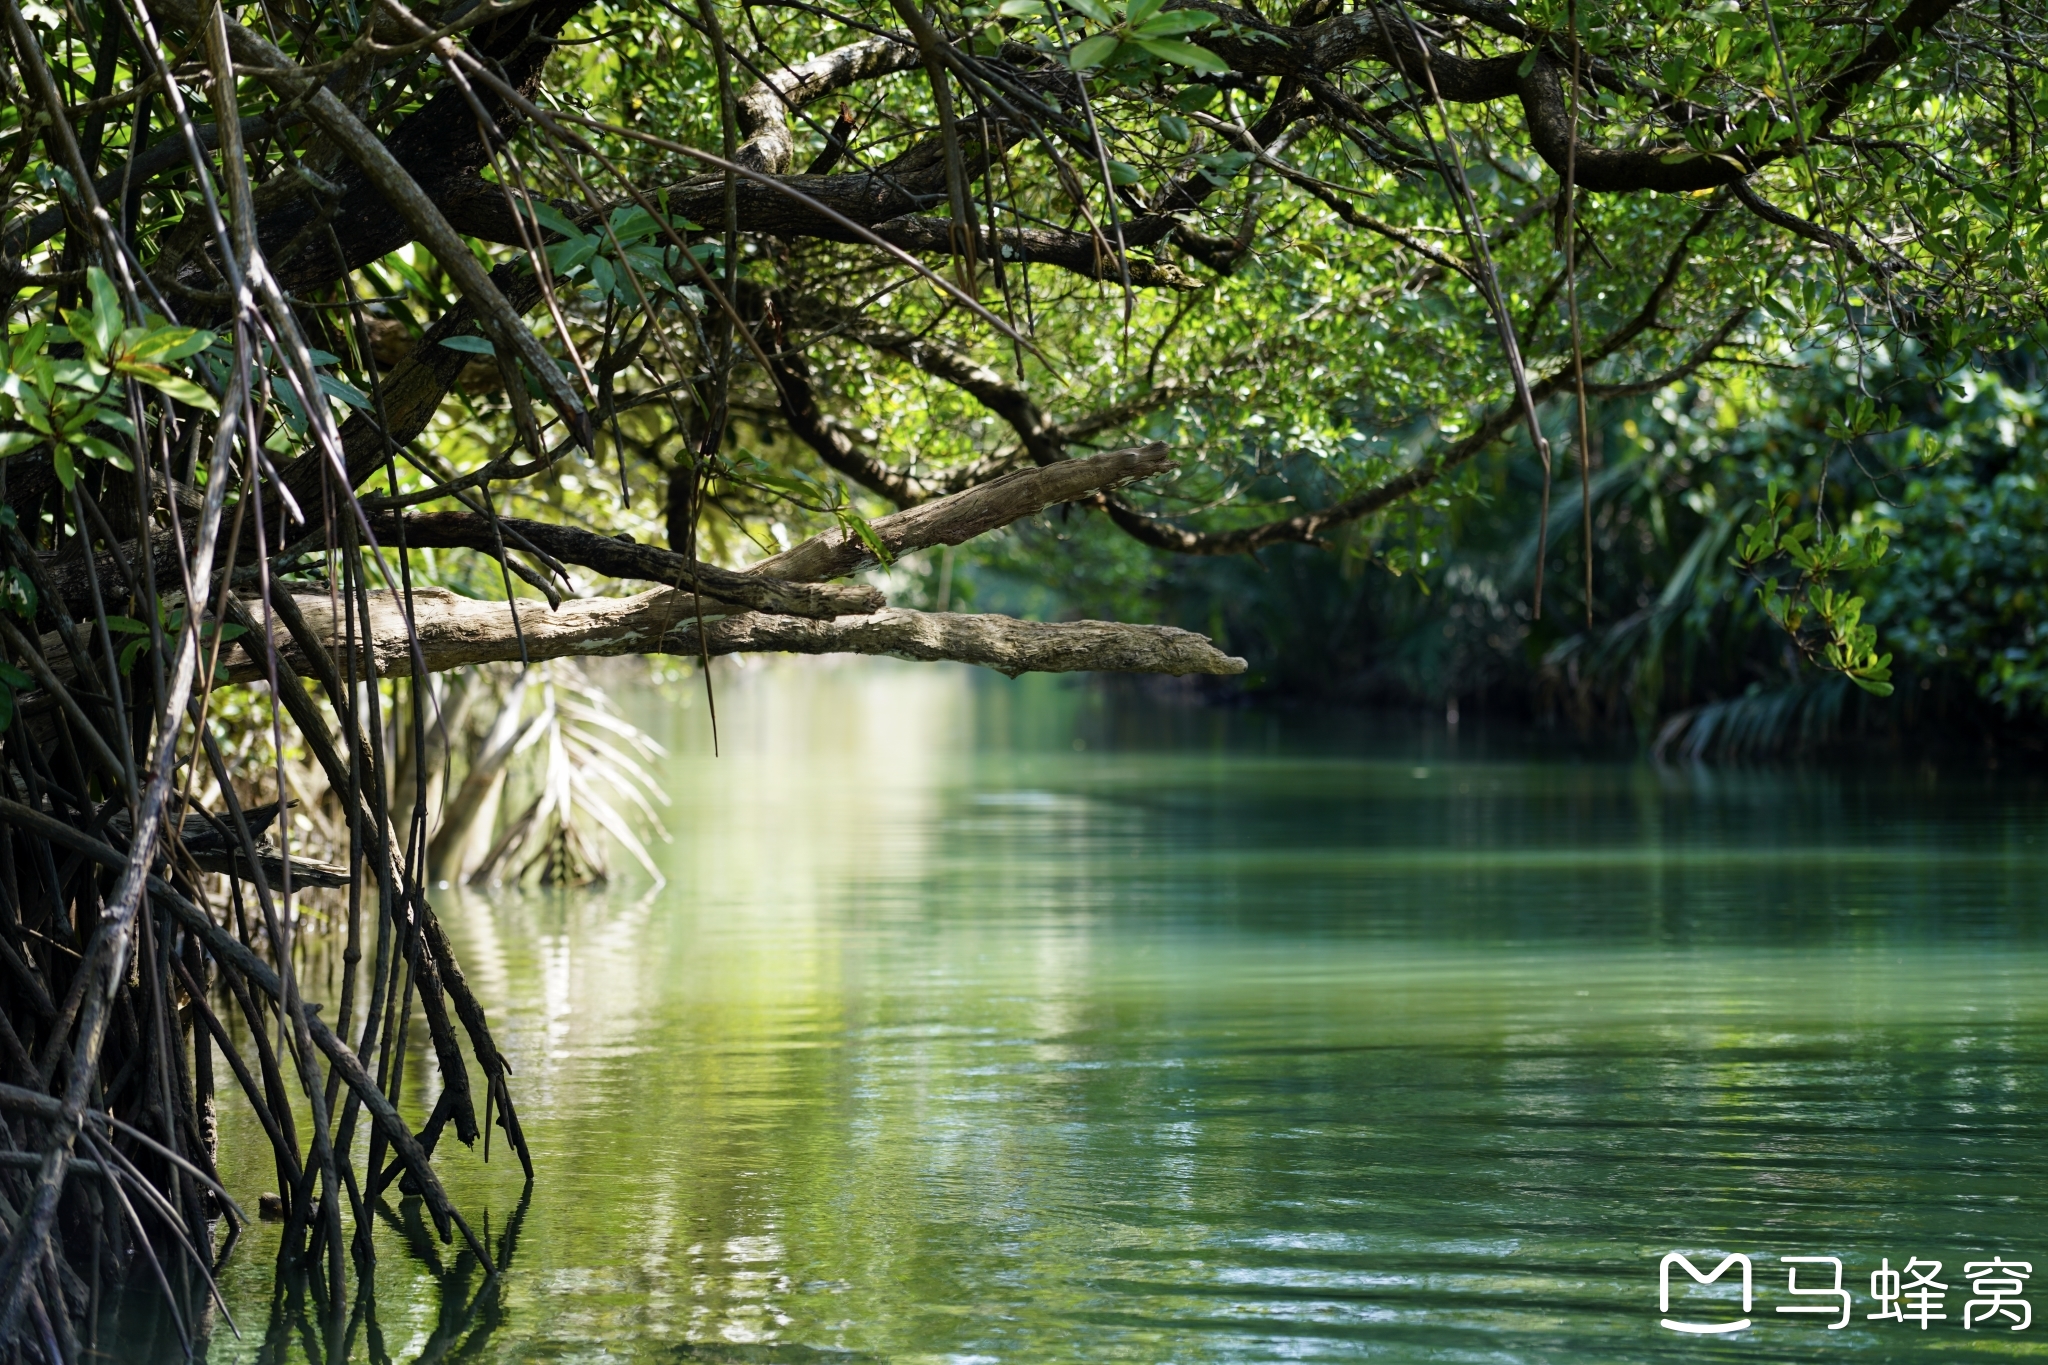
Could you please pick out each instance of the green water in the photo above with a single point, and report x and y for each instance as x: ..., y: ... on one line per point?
x: 1231, y: 1038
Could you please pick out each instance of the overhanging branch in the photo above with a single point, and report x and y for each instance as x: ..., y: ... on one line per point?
x: 617, y: 558
x: 456, y: 632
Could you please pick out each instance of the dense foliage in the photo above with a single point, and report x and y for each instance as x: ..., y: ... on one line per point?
x: 1679, y: 626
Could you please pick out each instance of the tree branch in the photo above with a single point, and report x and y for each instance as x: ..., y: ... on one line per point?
x: 455, y: 632
x: 625, y: 559
x: 1256, y: 47
x: 764, y: 110
x: 797, y: 398
x: 1309, y: 527
x: 1006, y: 400
x: 963, y: 516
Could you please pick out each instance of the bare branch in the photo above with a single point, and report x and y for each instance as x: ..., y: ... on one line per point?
x: 455, y: 632
x: 963, y: 516
x: 618, y: 558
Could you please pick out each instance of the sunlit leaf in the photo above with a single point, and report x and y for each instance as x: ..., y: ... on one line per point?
x: 1174, y: 23
x: 170, y: 343
x: 175, y: 385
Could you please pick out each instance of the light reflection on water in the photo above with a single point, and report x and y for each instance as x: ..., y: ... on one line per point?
x: 1229, y: 1038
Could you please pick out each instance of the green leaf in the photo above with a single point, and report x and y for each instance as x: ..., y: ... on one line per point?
x: 1174, y: 126
x: 650, y: 261
x: 1138, y: 11
x: 15, y: 677
x: 67, y: 473
x: 633, y: 223
x: 347, y: 393
x: 1123, y: 173
x: 1092, y: 9
x: 469, y: 345
x: 551, y: 218
x: 1021, y: 9
x: 1195, y: 97
x: 170, y: 343
x: 106, y: 308
x: 106, y: 450
x: 1223, y: 165
x: 84, y: 330
x: 566, y: 256
x: 865, y: 533
x: 294, y: 415
x: 15, y: 442
x: 603, y: 275
x: 30, y: 345
x: 126, y: 625
x: 1185, y: 54
x: 1092, y: 52
x: 176, y: 385
x: 1174, y: 23
x: 74, y: 374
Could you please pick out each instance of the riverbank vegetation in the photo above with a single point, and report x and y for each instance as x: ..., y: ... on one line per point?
x: 353, y: 345
x: 1677, y: 648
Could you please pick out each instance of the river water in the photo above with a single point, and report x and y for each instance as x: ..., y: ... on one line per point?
x: 990, y: 1022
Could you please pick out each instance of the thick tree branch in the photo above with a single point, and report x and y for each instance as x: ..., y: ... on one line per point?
x: 764, y: 110
x: 439, y: 146
x: 724, y: 589
x: 963, y: 516
x: 455, y: 632
x: 382, y: 169
x: 135, y: 173
x: 1793, y: 223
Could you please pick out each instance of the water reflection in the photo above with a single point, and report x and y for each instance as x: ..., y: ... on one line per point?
x: 1225, y: 1041
x: 463, y: 1307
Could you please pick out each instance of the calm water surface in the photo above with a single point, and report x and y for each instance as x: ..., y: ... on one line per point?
x: 1228, y: 1038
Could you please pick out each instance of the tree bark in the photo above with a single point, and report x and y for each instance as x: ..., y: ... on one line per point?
x: 454, y: 632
